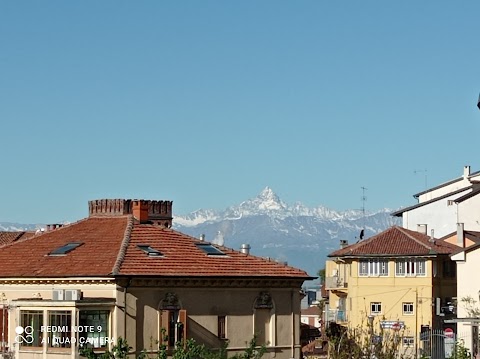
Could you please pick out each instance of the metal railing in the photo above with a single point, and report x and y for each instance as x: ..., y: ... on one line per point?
x: 335, y: 283
x: 336, y: 315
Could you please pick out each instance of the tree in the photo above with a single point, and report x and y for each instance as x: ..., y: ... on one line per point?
x: 321, y: 275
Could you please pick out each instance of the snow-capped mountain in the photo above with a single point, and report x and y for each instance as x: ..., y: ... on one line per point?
x: 16, y: 227
x: 298, y: 234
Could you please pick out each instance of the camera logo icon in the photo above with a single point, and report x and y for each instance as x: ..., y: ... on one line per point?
x: 24, y: 335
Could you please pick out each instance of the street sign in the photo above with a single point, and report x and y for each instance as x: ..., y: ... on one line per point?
x: 448, y: 332
x: 396, y: 326
x: 392, y: 324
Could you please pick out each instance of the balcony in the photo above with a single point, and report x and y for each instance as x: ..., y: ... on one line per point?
x: 336, y: 315
x: 335, y: 283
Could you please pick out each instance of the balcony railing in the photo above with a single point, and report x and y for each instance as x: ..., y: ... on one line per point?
x: 336, y: 315
x: 335, y: 283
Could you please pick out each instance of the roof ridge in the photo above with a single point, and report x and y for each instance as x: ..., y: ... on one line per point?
x: 124, y: 246
x: 412, y: 237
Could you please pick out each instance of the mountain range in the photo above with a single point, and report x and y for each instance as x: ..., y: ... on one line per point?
x: 293, y: 233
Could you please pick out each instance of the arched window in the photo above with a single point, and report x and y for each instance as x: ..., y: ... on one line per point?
x: 172, y: 321
x: 264, y: 319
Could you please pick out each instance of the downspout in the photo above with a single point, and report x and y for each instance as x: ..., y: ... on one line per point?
x: 293, y: 324
x: 125, y: 290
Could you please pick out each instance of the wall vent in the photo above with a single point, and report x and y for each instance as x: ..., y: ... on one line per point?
x: 58, y: 294
x: 73, y: 294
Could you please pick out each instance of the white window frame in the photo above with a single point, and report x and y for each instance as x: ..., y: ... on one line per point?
x: 373, y: 268
x: 408, y: 341
x: 406, y: 308
x: 410, y: 267
x: 375, y: 308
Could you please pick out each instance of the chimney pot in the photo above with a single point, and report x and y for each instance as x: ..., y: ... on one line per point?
x: 343, y: 243
x: 460, y: 235
x: 422, y: 228
x: 202, y: 237
x: 245, y: 249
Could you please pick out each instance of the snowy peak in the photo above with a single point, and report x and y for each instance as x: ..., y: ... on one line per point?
x: 268, y: 200
x: 267, y: 203
x: 268, y: 195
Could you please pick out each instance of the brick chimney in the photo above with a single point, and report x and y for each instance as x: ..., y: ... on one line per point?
x: 140, y: 210
x: 154, y: 212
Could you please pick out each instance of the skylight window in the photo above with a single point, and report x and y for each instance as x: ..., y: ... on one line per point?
x: 210, y: 250
x: 60, y: 251
x: 149, y: 250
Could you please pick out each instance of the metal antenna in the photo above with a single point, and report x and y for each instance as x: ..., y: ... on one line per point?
x: 364, y: 199
x: 424, y: 171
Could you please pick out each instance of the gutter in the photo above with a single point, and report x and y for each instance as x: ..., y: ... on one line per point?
x: 293, y: 325
x: 125, y: 291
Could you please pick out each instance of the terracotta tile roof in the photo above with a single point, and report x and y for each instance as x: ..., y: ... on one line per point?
x: 101, y: 238
x: 109, y: 248
x: 10, y: 237
x: 396, y: 241
x: 183, y: 258
x: 312, y: 310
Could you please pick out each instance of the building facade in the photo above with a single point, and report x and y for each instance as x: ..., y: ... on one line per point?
x: 398, y: 279
x: 123, y: 272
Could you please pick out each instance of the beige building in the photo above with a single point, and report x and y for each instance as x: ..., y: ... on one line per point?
x: 398, y: 279
x: 122, y: 272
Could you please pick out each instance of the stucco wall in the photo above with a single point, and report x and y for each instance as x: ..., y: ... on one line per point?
x: 204, y: 305
x: 443, y: 217
x: 467, y: 286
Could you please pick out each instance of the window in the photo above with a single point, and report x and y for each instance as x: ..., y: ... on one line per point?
x: 99, y: 319
x: 31, y: 321
x: 373, y: 268
x: 408, y: 341
x: 407, y: 308
x: 375, y: 308
x: 410, y: 267
x: 222, y: 328
x: 210, y: 250
x: 262, y: 326
x: 64, y: 249
x: 61, y: 323
x: 150, y: 251
x: 173, y: 327
x: 3, y: 327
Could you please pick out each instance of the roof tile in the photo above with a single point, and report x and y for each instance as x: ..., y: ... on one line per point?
x: 396, y: 241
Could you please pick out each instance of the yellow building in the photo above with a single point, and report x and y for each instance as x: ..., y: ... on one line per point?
x: 398, y: 278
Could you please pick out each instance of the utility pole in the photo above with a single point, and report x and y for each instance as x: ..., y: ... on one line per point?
x: 417, y: 335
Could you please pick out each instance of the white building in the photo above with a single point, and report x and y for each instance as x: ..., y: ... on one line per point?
x: 440, y: 208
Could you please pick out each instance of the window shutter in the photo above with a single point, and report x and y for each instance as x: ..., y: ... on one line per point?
x: 182, y: 318
x: 164, y: 324
x: 3, y: 327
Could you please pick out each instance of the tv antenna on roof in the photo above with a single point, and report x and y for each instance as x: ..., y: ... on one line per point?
x: 364, y: 199
x: 424, y: 171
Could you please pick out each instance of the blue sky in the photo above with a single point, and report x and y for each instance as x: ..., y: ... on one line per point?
x: 207, y: 102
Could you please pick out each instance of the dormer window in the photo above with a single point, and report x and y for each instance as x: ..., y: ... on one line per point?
x: 149, y: 250
x: 63, y: 250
